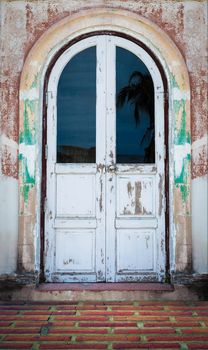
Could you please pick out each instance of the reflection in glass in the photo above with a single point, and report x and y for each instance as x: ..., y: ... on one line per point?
x: 76, y: 109
x: 135, y: 136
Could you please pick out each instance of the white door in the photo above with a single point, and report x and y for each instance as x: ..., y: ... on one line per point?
x: 105, y: 215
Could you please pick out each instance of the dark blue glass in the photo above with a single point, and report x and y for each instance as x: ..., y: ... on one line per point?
x: 135, y: 126
x: 76, y: 109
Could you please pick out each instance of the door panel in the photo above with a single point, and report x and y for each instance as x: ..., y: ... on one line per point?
x: 69, y: 193
x: 136, y: 196
x: 105, y: 213
x: 69, y: 256
x: 129, y: 240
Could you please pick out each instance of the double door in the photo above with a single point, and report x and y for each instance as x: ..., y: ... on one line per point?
x: 105, y: 200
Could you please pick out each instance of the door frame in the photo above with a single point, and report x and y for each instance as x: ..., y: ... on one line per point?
x: 31, y: 95
x: 44, y: 140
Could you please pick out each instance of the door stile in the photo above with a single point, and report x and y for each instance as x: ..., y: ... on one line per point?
x: 110, y: 160
x: 160, y: 179
x: 100, y: 158
x: 50, y: 207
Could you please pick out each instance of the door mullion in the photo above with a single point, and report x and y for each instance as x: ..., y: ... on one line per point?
x: 110, y: 160
x: 100, y: 157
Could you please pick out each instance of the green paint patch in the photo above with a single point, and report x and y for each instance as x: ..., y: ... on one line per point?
x: 184, y: 192
x: 35, y: 81
x: 27, y: 136
x: 173, y: 81
x: 182, y: 178
x: 27, y: 178
x: 181, y: 135
x: 25, y: 189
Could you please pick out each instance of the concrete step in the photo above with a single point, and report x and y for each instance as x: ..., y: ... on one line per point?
x: 63, y: 292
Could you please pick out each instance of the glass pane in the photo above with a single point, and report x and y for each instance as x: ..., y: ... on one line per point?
x: 135, y: 136
x: 76, y: 109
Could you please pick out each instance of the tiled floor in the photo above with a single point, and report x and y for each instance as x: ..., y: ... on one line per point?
x: 105, y: 325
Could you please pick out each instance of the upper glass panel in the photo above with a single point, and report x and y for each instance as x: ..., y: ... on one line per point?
x: 135, y: 126
x: 76, y: 110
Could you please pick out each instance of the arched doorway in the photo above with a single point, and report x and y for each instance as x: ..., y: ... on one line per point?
x: 105, y: 187
x: 31, y: 93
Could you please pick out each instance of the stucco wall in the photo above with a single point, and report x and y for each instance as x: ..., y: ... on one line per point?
x: 23, y: 22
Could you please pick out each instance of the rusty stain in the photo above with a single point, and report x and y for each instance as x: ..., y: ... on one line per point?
x: 130, y: 189
x: 101, y: 195
x: 200, y: 162
x: 9, y: 164
x: 138, y: 190
x: 160, y: 188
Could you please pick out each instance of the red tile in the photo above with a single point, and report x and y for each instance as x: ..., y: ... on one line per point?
x: 108, y: 324
x: 83, y: 346
x: 198, y: 346
x: 108, y: 338
x: 76, y: 330
x: 178, y: 337
x: 16, y: 346
x: 144, y: 330
x: 151, y: 346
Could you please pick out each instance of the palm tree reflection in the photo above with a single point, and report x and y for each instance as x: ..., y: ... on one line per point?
x: 140, y: 93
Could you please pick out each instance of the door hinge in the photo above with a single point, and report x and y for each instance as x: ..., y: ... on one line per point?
x: 46, y: 151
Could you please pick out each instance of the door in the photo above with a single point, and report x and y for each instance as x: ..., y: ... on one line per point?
x: 105, y: 215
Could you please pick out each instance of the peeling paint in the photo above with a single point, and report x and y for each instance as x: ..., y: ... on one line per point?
x: 160, y: 195
x: 138, y: 207
x: 181, y: 173
x: 130, y: 189
x: 181, y: 135
x: 27, y: 136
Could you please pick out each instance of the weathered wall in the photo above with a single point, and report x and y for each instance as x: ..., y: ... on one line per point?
x: 23, y: 22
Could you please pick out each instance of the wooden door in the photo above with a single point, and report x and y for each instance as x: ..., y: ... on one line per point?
x: 135, y: 198
x: 104, y: 218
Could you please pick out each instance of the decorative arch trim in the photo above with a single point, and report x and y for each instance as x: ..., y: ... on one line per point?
x: 31, y: 126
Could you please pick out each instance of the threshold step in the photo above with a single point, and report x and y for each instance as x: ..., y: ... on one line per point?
x: 97, y: 287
